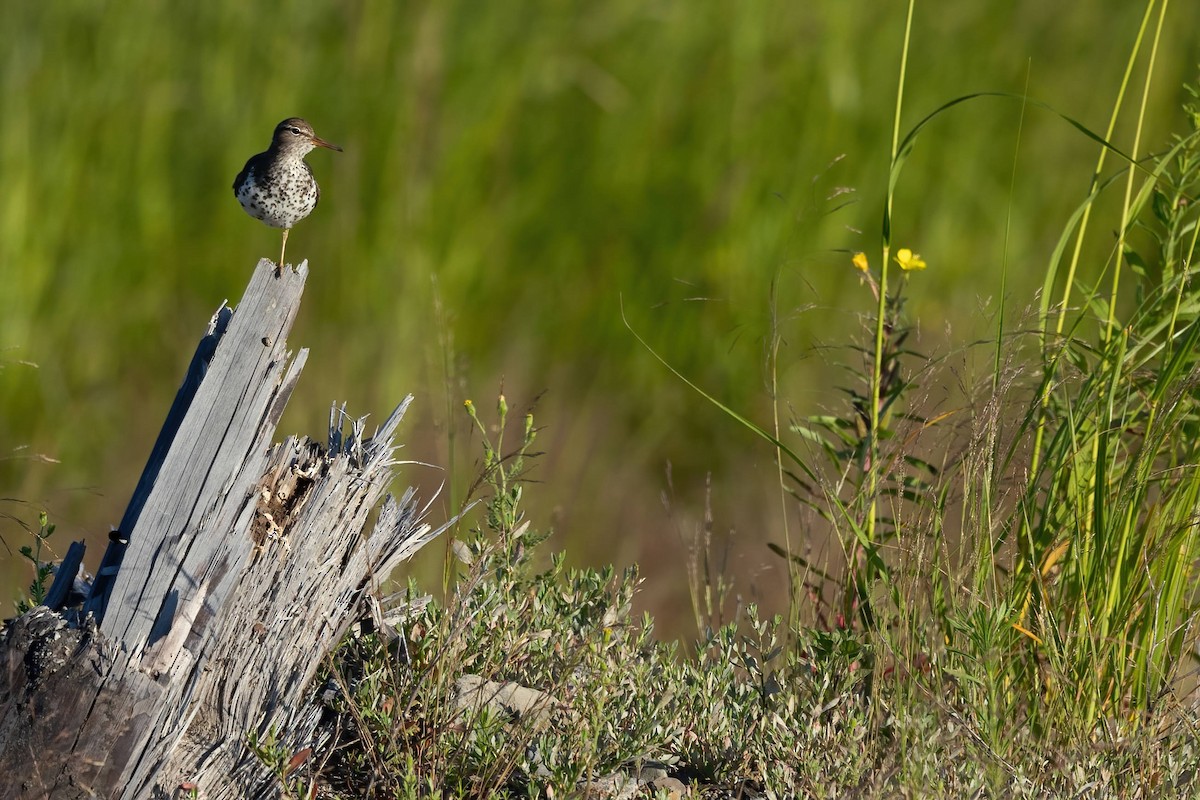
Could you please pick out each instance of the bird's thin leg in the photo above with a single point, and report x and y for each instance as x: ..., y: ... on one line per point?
x: 282, y: 250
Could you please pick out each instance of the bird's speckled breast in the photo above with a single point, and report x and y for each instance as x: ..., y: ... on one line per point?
x: 285, y: 195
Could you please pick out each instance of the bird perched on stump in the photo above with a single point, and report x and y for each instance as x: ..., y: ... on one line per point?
x: 277, y: 186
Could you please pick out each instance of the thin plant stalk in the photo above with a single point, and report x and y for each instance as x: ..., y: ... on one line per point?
x: 1081, y: 233
x: 881, y: 308
x: 1137, y: 140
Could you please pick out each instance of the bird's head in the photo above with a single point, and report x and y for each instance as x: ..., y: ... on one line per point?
x: 296, y: 136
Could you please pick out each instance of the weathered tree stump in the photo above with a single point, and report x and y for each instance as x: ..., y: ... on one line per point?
x: 237, y: 566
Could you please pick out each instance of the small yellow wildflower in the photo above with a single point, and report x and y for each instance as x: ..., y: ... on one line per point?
x: 908, y: 260
x: 860, y: 261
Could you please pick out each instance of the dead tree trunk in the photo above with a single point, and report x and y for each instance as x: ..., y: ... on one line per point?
x: 236, y: 568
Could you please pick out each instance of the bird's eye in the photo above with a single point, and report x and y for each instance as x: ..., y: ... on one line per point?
x: 295, y: 131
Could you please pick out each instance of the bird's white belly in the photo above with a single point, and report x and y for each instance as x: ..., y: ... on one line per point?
x: 282, y: 201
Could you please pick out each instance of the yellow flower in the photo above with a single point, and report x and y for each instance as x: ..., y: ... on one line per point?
x: 908, y: 260
x: 860, y: 261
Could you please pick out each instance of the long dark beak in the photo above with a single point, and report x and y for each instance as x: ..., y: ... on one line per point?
x: 319, y: 142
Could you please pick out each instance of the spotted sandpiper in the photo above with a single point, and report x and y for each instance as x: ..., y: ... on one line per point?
x: 277, y: 186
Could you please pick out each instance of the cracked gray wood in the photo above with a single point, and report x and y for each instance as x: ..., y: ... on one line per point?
x: 237, y: 566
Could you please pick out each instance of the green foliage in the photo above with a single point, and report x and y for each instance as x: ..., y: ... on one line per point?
x: 617, y: 696
x: 1064, y: 596
x: 863, y: 453
x: 43, y: 571
x: 501, y: 473
x: 541, y: 163
x: 284, y: 765
x: 757, y: 707
x: 563, y: 631
x: 1017, y: 570
x: 1116, y: 494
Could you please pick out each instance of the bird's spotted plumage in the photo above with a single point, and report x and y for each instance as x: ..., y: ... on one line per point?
x: 280, y: 193
x: 277, y: 186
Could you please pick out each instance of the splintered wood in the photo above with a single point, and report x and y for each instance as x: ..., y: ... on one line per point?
x: 236, y: 568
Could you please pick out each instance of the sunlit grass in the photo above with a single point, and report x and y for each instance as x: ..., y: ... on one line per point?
x: 576, y: 196
x: 544, y: 164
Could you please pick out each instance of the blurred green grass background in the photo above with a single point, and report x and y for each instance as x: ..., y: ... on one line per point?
x: 514, y: 174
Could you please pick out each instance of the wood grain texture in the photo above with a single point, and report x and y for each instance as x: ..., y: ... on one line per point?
x: 245, y: 564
